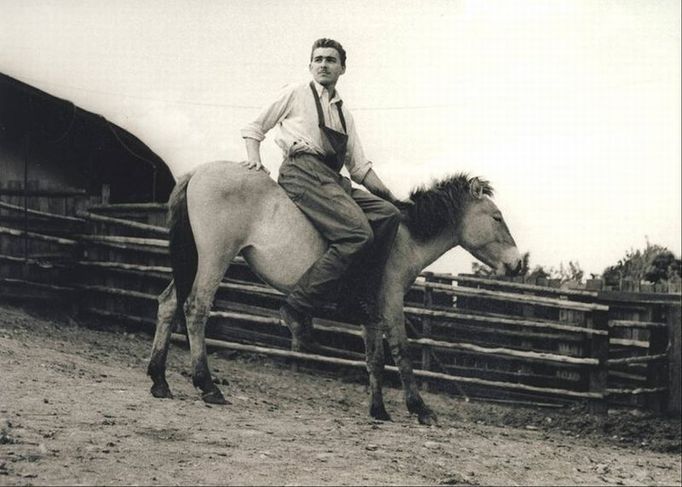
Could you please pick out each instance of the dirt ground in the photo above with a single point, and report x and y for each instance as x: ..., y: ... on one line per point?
x: 75, y: 409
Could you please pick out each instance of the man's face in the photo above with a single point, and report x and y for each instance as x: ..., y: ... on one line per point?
x: 325, y: 66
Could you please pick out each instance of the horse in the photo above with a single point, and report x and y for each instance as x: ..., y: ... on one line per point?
x: 222, y: 209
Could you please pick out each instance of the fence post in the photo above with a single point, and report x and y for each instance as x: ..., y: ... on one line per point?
x: 674, y: 320
x: 599, y: 374
x: 657, y: 372
x: 426, y: 328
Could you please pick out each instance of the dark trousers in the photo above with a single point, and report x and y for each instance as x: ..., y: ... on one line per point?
x: 359, y: 227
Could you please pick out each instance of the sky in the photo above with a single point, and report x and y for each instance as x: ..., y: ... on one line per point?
x: 570, y: 108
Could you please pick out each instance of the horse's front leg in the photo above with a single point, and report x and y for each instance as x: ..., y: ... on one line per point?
x: 397, y: 341
x: 374, y: 350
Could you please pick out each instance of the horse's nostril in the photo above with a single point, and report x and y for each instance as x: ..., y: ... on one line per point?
x: 513, y: 271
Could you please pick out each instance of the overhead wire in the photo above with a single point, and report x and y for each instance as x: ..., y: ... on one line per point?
x: 258, y: 107
x: 222, y: 105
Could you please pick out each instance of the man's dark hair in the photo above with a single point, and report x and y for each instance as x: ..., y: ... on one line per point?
x: 324, y: 42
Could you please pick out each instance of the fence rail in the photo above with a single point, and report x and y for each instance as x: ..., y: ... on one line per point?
x: 494, y: 338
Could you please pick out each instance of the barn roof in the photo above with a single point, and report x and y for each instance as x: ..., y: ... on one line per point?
x: 73, y: 139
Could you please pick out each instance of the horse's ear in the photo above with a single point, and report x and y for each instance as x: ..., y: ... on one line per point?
x: 476, y: 188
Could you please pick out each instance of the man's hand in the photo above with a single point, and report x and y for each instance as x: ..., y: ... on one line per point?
x: 253, y: 156
x: 378, y: 188
x: 257, y: 165
x: 402, y: 204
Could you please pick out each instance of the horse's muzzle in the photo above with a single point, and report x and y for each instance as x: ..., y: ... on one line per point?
x: 513, y: 270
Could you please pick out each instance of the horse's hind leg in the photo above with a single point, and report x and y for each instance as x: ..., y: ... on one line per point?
x: 168, y: 315
x: 210, y: 271
x: 374, y: 349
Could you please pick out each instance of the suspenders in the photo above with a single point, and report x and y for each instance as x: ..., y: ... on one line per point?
x: 320, y: 114
x: 337, y: 140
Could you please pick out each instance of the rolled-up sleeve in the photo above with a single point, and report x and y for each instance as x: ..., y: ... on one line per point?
x: 357, y: 164
x: 269, y: 115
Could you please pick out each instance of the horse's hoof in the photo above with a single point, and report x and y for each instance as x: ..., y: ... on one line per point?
x: 161, y: 391
x: 379, y: 413
x: 214, y: 397
x: 428, y: 418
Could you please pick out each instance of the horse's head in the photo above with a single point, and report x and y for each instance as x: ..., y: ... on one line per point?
x: 484, y: 234
x: 458, y: 211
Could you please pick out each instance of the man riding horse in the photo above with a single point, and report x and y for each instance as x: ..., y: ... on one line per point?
x: 222, y: 209
x: 318, y: 138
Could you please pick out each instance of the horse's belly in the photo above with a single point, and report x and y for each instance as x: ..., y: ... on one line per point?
x: 283, y: 244
x: 281, y: 266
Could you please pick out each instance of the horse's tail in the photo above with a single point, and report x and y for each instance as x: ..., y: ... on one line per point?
x: 182, y: 247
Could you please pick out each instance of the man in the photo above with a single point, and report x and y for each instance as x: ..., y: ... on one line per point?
x: 318, y: 137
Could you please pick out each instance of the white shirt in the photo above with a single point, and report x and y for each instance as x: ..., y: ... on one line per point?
x: 295, y: 112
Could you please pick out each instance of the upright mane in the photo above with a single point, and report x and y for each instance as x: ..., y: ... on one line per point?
x: 440, y: 204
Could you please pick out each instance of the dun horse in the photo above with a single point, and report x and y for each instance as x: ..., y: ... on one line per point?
x: 222, y: 209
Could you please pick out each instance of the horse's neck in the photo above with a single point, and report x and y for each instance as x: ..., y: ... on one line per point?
x: 410, y: 256
x: 426, y: 252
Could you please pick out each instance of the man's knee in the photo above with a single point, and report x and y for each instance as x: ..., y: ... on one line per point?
x: 364, y: 236
x: 361, y: 237
x: 389, y: 215
x: 394, y: 214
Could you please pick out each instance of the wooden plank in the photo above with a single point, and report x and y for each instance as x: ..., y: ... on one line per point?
x: 454, y: 314
x: 424, y: 342
x: 117, y: 291
x: 150, y: 242
x: 506, y: 334
x: 525, y: 287
x: 38, y: 236
x: 30, y: 296
x: 657, y: 372
x: 616, y: 297
x: 34, y: 284
x: 143, y: 320
x: 505, y: 374
x: 417, y: 372
x: 42, y: 192
x: 624, y: 342
x: 636, y: 391
x: 130, y: 206
x: 517, y: 298
x: 272, y: 292
x: 638, y: 360
x: 251, y: 288
x: 427, y: 352
x: 142, y: 249
x: 506, y: 352
x: 120, y: 266
x: 52, y: 216
x: 498, y: 351
x: 34, y: 262
x: 599, y: 350
x: 635, y: 324
x: 122, y: 222
x: 674, y: 320
x: 625, y: 375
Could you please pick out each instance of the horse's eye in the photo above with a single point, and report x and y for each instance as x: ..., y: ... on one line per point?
x: 497, y: 218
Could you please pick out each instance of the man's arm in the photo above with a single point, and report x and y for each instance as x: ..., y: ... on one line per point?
x: 253, y: 160
x: 377, y: 187
x: 254, y: 132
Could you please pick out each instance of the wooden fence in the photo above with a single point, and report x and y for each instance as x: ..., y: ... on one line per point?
x: 501, y: 340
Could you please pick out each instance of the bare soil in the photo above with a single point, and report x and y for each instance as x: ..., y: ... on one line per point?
x: 75, y: 409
